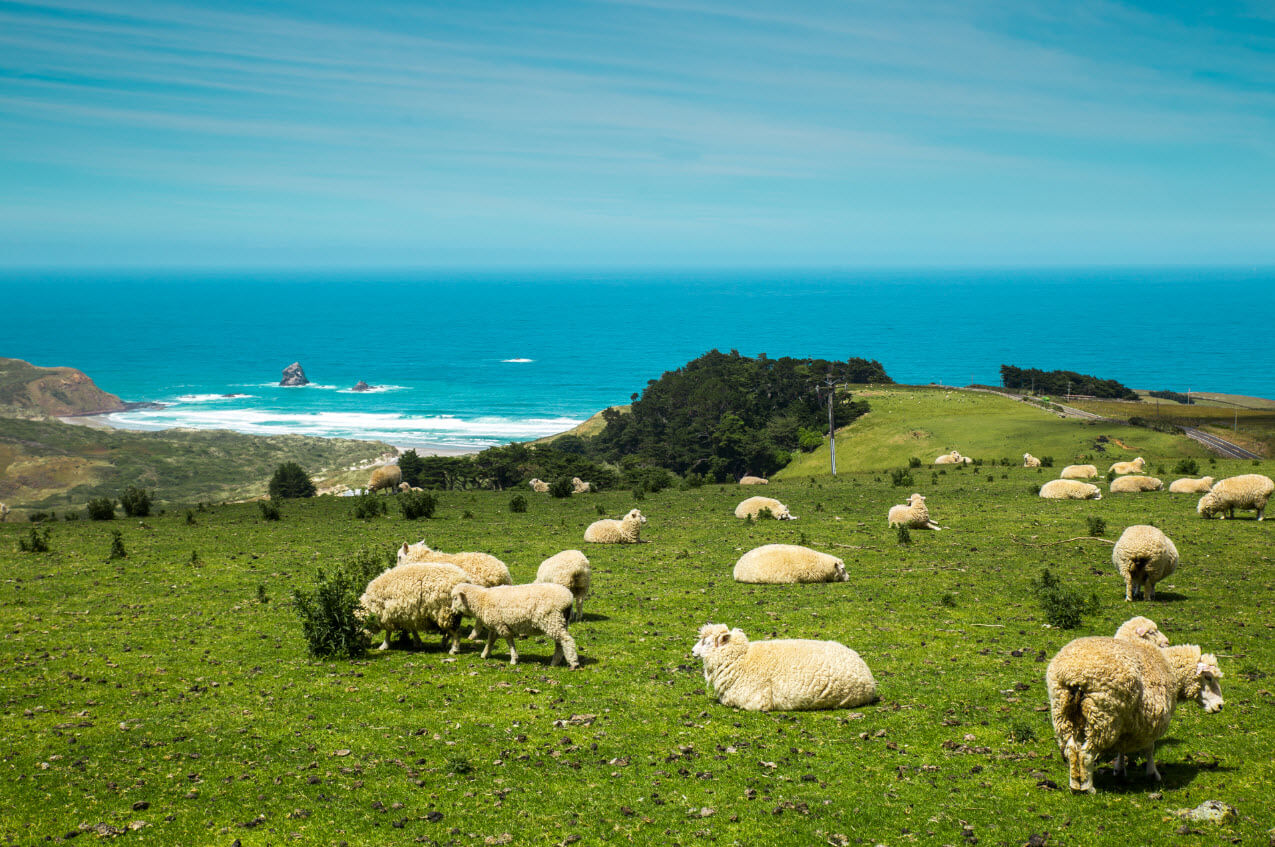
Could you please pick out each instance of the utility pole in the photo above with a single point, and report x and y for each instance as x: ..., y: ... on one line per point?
x: 831, y: 385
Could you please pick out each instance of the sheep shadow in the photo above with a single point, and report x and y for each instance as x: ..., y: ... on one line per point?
x: 1176, y: 771
x: 1166, y: 597
x: 589, y: 616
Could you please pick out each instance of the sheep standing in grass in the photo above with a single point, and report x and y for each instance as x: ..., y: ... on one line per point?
x: 1191, y: 486
x: 609, y: 531
x: 1030, y: 461
x: 1079, y: 472
x: 1070, y: 489
x: 913, y: 514
x: 1136, y: 466
x: 1143, y: 555
x: 788, y: 563
x: 753, y: 480
x: 413, y: 597
x: 386, y: 477
x: 579, y: 486
x: 482, y: 568
x: 752, y: 507
x: 784, y: 675
x: 1142, y: 629
x: 1247, y: 491
x: 539, y: 486
x: 1113, y: 696
x: 1135, y: 484
x: 570, y: 569
x: 517, y: 610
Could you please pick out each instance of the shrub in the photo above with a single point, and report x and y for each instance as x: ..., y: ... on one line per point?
x: 599, y: 509
x: 1097, y: 526
x: 71, y: 516
x: 639, y: 494
x: 561, y: 488
x: 117, y: 545
x: 135, y: 502
x: 1034, y: 489
x: 903, y: 535
x: 416, y: 504
x: 764, y: 514
x: 694, y: 480
x: 35, y: 542
x: 101, y: 509
x: 900, y: 477
x: 194, y: 558
x: 269, y: 510
x: 1064, y: 607
x: 809, y: 440
x: 948, y: 599
x: 1187, y: 466
x: 327, y: 613
x: 914, y: 462
x: 1046, y: 461
x: 41, y: 517
x: 368, y: 506
x: 518, y: 504
x: 1021, y: 733
x: 467, y: 515
x: 290, y: 480
x: 412, y: 467
x: 261, y: 594
x: 190, y: 517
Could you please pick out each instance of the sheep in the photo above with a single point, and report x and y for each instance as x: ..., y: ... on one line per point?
x: 1079, y: 472
x: 784, y: 675
x: 539, y: 486
x: 1247, y: 491
x: 623, y: 531
x: 4, y: 513
x: 1143, y: 555
x: 751, y: 508
x: 1135, y: 484
x: 1070, y: 489
x: 1113, y: 696
x: 753, y: 480
x: 1136, y: 466
x: 788, y: 563
x: 579, y: 486
x: 1186, y: 485
x: 1030, y: 461
x: 385, y: 477
x: 412, y: 597
x: 913, y: 514
x: 1142, y: 629
x: 570, y: 569
x: 481, y: 568
x: 404, y: 487
x: 953, y: 458
x: 515, y: 610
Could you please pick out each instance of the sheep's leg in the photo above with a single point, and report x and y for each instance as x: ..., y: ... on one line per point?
x: 1150, y: 590
x: 1260, y: 510
x: 513, y: 651
x: 557, y: 654
x: 1128, y: 588
x: 416, y: 639
x: 1119, y: 766
x: 455, y: 634
x: 579, y: 616
x: 566, y: 645
x: 491, y: 639
x: 385, y: 645
x: 1151, y: 769
x: 1080, y: 762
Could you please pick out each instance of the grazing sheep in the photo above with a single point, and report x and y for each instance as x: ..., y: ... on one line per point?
x: 1070, y: 489
x: 570, y: 569
x: 1079, y: 472
x: 1142, y: 629
x: 481, y: 568
x: 1030, y: 461
x: 1135, y: 484
x: 403, y: 486
x: 1136, y: 466
x: 1187, y: 485
x: 385, y: 477
x: 953, y: 458
x: 412, y: 597
x: 913, y: 514
x: 623, y: 531
x: 1143, y: 555
x: 753, y: 480
x: 1247, y: 491
x: 1111, y: 696
x: 788, y: 563
x: 517, y: 610
x: 539, y: 486
x: 579, y: 486
x: 752, y: 507
x: 784, y: 675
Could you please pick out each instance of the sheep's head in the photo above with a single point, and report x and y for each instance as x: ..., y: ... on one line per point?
x: 1209, y: 505
x: 783, y: 514
x: 409, y: 551
x: 1207, y: 480
x: 915, y: 499
x: 460, y: 599
x: 1210, y: 691
x: 635, y: 515
x: 839, y: 571
x: 1139, y: 462
x: 1142, y: 629
x: 713, y: 636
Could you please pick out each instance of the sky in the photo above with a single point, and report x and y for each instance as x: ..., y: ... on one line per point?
x: 636, y: 133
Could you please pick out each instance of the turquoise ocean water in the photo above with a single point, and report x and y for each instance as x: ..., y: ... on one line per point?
x: 467, y: 360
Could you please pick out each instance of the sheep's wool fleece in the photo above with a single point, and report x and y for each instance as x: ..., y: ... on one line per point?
x: 570, y: 569
x: 1134, y: 484
x: 1079, y: 472
x: 1142, y: 629
x: 627, y: 530
x: 386, y: 476
x: 413, y: 595
x: 753, y: 480
x: 788, y: 563
x: 750, y: 507
x: 1144, y: 555
x: 1070, y: 489
x: 482, y: 568
x: 1247, y: 491
x: 1191, y: 486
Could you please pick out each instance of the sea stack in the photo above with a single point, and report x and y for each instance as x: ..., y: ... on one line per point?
x: 294, y: 375
x: 361, y: 386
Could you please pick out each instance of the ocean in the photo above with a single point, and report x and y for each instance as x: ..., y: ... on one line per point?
x: 467, y: 360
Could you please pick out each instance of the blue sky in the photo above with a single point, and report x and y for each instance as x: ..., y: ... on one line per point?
x: 645, y: 133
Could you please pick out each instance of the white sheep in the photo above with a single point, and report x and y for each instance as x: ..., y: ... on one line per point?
x: 570, y: 569
x: 1247, y: 491
x: 1113, y: 696
x: 913, y: 514
x: 386, y: 477
x: 1079, y: 472
x: 788, y: 563
x: 953, y: 458
x: 1030, y: 461
x: 539, y: 486
x: 4, y: 513
x: 1187, y: 485
x: 1135, y: 484
x: 1143, y: 555
x: 482, y: 568
x: 1142, y: 629
x: 753, y: 480
x: 1136, y: 466
x: 579, y: 486
x: 783, y: 675
x: 752, y: 507
x: 1070, y: 489
x: 413, y: 597
x: 623, y: 531
x: 517, y: 610
x: 404, y: 487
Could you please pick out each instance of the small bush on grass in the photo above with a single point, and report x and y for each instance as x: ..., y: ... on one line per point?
x: 101, y: 509
x: 1021, y: 733
x: 1046, y: 461
x: 367, y: 506
x: 903, y: 535
x: 561, y: 488
x: 518, y: 504
x: 37, y: 541
x: 1187, y: 466
x: 764, y: 514
x: 416, y: 504
x: 948, y: 600
x: 117, y: 546
x: 1097, y: 526
x: 1034, y: 489
x: 467, y: 515
x: 269, y: 510
x: 291, y: 480
x: 639, y: 494
x: 71, y: 516
x: 327, y: 611
x: 190, y: 517
x: 900, y: 477
x: 600, y: 509
x: 1064, y: 607
x: 136, y: 502
x: 914, y: 462
x: 262, y: 598
x: 41, y: 517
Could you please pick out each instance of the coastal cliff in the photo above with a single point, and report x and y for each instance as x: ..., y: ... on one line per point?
x: 28, y: 389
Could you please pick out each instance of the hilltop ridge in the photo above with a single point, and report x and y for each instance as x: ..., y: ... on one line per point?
x: 27, y: 389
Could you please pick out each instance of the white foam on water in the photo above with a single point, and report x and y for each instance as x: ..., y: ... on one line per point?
x: 516, y: 361
x: 209, y: 398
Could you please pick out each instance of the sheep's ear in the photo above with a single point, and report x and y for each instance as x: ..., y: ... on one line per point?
x: 722, y: 639
x: 1142, y: 630
x: 403, y: 549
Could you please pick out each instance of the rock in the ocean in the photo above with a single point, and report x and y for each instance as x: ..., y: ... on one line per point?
x: 294, y: 375
x: 361, y: 386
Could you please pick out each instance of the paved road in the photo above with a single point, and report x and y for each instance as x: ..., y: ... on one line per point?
x: 1220, y: 446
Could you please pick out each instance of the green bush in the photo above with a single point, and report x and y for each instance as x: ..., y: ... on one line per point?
x: 416, y: 504
x: 35, y: 542
x: 327, y: 612
x: 117, y: 545
x: 1187, y: 466
x: 1097, y: 526
x: 900, y: 477
x: 136, y: 502
x: 518, y: 504
x: 948, y: 600
x: 1064, y: 607
x: 269, y: 510
x: 290, y: 480
x: 809, y: 440
x: 914, y: 462
x: 561, y: 488
x: 1046, y: 461
x: 903, y: 535
x: 765, y: 514
x: 1034, y: 489
x: 101, y: 509
x: 190, y: 517
x: 368, y: 506
x: 41, y: 517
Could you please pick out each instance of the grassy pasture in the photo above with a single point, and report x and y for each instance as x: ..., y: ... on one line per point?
x: 1248, y: 421
x: 159, y: 691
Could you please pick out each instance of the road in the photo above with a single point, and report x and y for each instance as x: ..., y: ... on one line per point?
x: 1220, y: 446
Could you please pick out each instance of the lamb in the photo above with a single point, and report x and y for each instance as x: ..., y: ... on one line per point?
x: 623, y: 531
x: 1079, y: 472
x: 480, y: 568
x: 752, y: 507
x: 914, y: 514
x: 953, y: 458
x: 1136, y: 466
x: 1187, y: 485
x: 1142, y: 629
x: 753, y: 480
x: 1030, y: 461
x: 539, y: 486
x: 1247, y: 491
x: 404, y: 487
x: 516, y: 610
x: 1112, y: 696
x: 784, y: 675
x: 788, y: 563
x: 1070, y: 489
x: 1143, y: 555
x: 412, y: 597
x: 570, y: 569
x: 1135, y: 484
x: 385, y: 477
x: 579, y: 486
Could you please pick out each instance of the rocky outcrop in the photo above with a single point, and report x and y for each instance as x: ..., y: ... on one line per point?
x: 62, y: 392
x: 361, y: 386
x: 294, y: 375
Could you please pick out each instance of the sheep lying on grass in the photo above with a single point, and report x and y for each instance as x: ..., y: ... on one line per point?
x: 517, y: 610
x: 1070, y: 489
x: 1247, y: 491
x: 386, y: 477
x: 1142, y: 629
x: 1135, y: 484
x: 570, y: 569
x: 1136, y: 466
x: 1191, y: 486
x: 579, y: 486
x: 784, y: 675
x: 1111, y: 696
x: 413, y: 597
x: 753, y: 480
x: 788, y: 563
x: 1030, y: 461
x: 481, y: 568
x: 1079, y: 472
x: 539, y: 486
x: 1143, y: 555
x: 752, y: 507
x: 914, y: 514
x: 609, y: 531
x: 953, y: 458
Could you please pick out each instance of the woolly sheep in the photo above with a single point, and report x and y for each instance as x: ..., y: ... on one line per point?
x: 753, y: 480
x: 412, y: 597
x: 1070, y: 489
x: 751, y: 507
x: 517, y: 610
x: 1111, y: 696
x: 385, y: 477
x: 1187, y: 485
x: 1136, y: 466
x: 953, y: 458
x: 1247, y: 491
x: 539, y: 486
x: 1143, y: 555
x: 788, y: 563
x: 1142, y: 629
x: 481, y: 568
x: 579, y: 486
x: 1079, y: 472
x: 623, y: 531
x: 783, y: 675
x: 913, y: 514
x: 1030, y: 461
x: 403, y: 486
x: 570, y: 569
x: 1135, y: 484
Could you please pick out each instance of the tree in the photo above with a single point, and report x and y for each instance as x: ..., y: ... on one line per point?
x: 290, y: 480
x: 412, y: 466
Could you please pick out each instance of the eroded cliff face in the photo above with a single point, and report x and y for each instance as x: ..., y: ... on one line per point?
x: 52, y: 391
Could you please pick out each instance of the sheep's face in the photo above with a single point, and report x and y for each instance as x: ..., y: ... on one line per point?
x: 1209, y: 504
x: 915, y: 499
x: 1145, y: 629
x: 784, y: 515
x: 460, y: 603
x: 409, y: 551
x: 1208, y: 674
x: 708, y: 635
x: 1207, y: 481
x: 636, y: 515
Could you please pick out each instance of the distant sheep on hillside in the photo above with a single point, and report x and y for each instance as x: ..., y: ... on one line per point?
x: 386, y: 477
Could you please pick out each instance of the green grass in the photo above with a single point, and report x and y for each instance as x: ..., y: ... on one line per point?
x: 1248, y: 421
x: 152, y: 680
